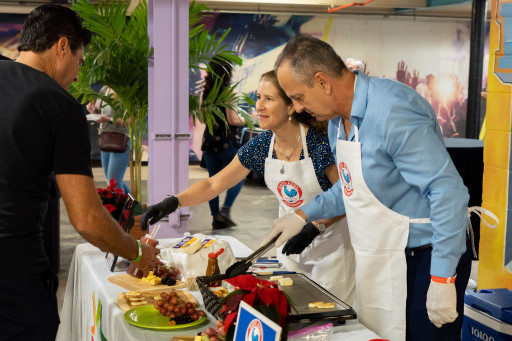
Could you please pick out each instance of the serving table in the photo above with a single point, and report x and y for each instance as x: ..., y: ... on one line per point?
x: 90, y: 311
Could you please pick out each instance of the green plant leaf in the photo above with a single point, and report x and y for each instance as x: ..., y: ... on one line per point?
x: 117, y: 56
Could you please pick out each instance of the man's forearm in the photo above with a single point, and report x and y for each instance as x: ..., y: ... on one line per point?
x: 329, y: 204
x: 108, y: 236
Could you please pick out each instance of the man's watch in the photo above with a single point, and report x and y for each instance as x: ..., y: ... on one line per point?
x: 319, y: 226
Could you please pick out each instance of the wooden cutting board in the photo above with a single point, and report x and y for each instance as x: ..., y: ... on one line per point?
x: 151, y: 296
x: 131, y: 283
x: 183, y: 338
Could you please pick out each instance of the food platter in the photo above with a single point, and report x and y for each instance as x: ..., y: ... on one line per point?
x: 151, y: 296
x: 147, y: 316
x: 129, y: 282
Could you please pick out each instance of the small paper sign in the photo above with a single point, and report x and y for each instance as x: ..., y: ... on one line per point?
x: 251, y: 325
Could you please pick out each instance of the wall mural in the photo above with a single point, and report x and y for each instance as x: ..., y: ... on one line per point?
x: 429, y: 54
x: 495, y: 265
x: 10, y: 28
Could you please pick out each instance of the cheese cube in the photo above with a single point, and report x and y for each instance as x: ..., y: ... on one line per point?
x: 155, y: 281
x: 285, y: 282
x: 275, y: 278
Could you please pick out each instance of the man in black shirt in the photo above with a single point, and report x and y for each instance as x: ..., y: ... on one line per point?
x: 43, y: 131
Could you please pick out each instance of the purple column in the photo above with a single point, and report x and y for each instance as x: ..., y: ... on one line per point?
x: 168, y: 129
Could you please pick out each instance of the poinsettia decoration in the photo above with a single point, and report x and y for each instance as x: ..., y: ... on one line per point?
x: 262, y: 295
x: 120, y: 205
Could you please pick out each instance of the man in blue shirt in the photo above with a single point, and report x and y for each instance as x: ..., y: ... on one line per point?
x: 398, y: 187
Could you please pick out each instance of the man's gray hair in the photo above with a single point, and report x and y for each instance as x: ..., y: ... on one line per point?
x: 307, y: 56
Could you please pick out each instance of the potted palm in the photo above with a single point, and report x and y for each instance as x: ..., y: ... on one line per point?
x: 118, y: 56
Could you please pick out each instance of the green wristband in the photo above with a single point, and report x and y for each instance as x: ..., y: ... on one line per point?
x: 140, y: 253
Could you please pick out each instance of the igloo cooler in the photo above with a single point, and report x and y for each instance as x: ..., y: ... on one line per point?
x: 487, y: 315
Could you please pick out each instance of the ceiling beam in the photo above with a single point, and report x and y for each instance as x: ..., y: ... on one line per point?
x: 378, y: 7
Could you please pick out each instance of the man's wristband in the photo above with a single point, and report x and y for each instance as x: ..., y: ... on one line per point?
x: 443, y: 280
x: 140, y: 252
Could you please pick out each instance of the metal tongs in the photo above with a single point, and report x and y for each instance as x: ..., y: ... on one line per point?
x: 241, y: 267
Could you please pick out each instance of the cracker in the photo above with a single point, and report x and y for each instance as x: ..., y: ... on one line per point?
x: 314, y: 304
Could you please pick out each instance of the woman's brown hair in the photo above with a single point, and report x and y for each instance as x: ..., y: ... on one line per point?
x: 303, y: 117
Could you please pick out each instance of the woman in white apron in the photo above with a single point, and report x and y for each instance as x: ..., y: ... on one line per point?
x: 329, y: 259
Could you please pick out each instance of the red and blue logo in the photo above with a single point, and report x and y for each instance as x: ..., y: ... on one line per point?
x: 254, y: 331
x: 346, y: 179
x: 291, y: 193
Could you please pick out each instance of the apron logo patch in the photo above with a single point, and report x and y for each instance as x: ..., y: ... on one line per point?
x: 291, y: 193
x: 254, y: 331
x: 346, y: 179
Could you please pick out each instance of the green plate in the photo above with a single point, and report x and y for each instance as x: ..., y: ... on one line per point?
x: 146, y: 316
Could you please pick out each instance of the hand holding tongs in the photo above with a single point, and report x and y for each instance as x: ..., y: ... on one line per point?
x: 243, y: 265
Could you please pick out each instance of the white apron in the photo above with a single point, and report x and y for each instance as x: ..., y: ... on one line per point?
x: 329, y: 259
x: 379, y: 237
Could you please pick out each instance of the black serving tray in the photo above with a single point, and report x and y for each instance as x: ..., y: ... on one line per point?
x: 304, y: 291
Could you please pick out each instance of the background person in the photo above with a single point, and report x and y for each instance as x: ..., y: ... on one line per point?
x: 114, y: 164
x: 406, y: 204
x: 44, y: 131
x: 220, y: 148
x: 355, y: 64
x: 294, y: 156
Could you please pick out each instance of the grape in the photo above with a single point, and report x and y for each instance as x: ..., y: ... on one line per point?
x: 160, y: 303
x: 191, y: 311
x: 175, y: 300
x: 177, y: 309
x: 189, y: 305
x: 201, y: 313
x: 194, y: 316
x: 183, y: 310
x: 163, y: 311
x: 214, y: 338
x: 173, y: 293
x: 183, y: 319
x: 210, y: 331
x: 163, y: 294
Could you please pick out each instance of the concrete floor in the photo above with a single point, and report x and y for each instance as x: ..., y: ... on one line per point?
x: 254, y: 211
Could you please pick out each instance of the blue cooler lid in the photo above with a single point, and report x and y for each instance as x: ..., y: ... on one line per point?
x: 495, y: 302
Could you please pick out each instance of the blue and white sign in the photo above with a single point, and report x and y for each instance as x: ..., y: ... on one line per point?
x: 251, y: 325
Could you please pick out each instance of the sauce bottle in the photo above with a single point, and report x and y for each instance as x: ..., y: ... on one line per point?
x: 132, y: 269
x: 213, y: 267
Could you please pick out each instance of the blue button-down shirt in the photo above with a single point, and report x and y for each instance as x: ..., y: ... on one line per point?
x: 406, y: 166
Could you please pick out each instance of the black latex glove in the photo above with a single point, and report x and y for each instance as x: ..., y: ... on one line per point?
x: 158, y: 211
x: 300, y: 241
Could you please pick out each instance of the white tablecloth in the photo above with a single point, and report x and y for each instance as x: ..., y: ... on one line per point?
x: 90, y: 310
